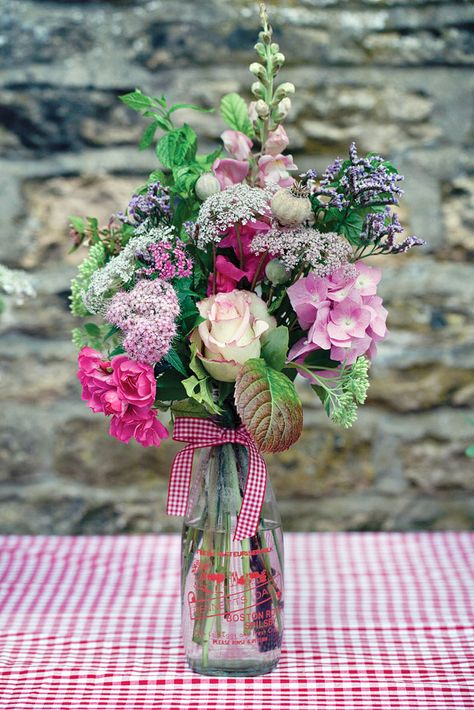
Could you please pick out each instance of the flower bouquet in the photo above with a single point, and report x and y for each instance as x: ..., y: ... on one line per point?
x: 225, y: 277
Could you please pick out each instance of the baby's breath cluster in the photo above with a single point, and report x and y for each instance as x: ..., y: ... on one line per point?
x: 238, y: 204
x: 322, y: 252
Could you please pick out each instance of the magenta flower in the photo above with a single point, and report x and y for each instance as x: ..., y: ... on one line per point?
x: 140, y: 424
x: 230, y: 172
x: 340, y: 314
x: 135, y: 381
x: 273, y: 169
x: 237, y: 144
x: 125, y: 390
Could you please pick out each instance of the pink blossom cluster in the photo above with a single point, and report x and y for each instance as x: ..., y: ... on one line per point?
x: 125, y: 390
x: 341, y: 313
x: 169, y: 261
x: 273, y: 166
x: 146, y: 315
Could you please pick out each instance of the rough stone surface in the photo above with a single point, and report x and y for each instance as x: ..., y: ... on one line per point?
x: 393, y: 75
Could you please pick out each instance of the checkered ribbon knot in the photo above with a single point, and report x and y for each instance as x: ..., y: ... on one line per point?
x: 201, y: 433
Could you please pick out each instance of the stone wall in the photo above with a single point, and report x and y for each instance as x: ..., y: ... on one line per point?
x: 393, y: 75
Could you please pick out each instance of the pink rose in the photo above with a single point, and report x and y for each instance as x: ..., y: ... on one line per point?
x: 274, y: 169
x: 237, y: 144
x: 231, y: 332
x: 98, y: 389
x: 277, y: 141
x: 140, y: 424
x: 230, y: 172
x: 135, y: 381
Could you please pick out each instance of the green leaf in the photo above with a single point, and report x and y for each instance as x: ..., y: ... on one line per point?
x: 268, y: 405
x: 189, y: 408
x: 169, y: 387
x: 352, y: 227
x: 136, y: 100
x: 177, y: 147
x: 93, y: 330
x: 205, y: 161
x: 199, y: 386
x: 275, y: 347
x: 78, y: 224
x: 173, y: 359
x: 235, y: 113
x: 177, y: 107
x: 470, y: 451
x: 148, y: 135
x: 119, y: 350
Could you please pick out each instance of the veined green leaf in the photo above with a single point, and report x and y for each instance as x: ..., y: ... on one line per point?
x: 177, y: 147
x: 268, y: 405
x: 275, y: 347
x: 235, y: 113
x: 136, y: 100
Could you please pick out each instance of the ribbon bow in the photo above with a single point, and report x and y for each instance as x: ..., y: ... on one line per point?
x: 201, y: 433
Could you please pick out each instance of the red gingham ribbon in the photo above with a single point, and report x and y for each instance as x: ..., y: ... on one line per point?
x: 201, y: 433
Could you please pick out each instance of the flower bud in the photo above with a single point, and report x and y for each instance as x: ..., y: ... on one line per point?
x: 283, y: 109
x: 260, y: 49
x: 258, y: 70
x: 265, y: 37
x: 279, y: 59
x: 274, y: 47
x: 206, y: 185
x: 257, y: 90
x: 283, y: 91
x: 262, y: 109
x: 276, y: 272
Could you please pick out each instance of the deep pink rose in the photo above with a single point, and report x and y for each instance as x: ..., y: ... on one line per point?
x: 135, y: 381
x: 276, y: 142
x: 237, y: 144
x: 274, y: 169
x: 140, y: 424
x: 98, y: 388
x: 230, y: 172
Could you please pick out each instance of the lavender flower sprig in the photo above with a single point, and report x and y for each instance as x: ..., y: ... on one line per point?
x: 153, y: 206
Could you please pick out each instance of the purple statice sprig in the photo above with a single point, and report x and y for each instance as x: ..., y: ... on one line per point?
x: 379, y: 235
x: 152, y: 206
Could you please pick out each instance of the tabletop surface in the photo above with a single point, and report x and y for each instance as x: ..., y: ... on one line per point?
x: 372, y: 621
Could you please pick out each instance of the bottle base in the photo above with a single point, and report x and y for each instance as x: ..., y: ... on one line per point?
x: 235, y: 669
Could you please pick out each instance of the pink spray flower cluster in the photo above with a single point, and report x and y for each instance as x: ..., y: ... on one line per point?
x: 168, y: 261
x: 146, y: 315
x: 125, y: 390
x: 341, y: 314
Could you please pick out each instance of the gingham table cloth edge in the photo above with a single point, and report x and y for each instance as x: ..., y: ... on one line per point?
x: 373, y: 620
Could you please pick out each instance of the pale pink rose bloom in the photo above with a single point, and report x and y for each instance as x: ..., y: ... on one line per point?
x: 277, y: 141
x: 274, y: 169
x: 230, y: 172
x: 237, y: 144
x: 230, y: 334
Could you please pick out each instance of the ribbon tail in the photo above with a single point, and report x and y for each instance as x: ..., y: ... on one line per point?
x: 254, y: 495
x: 180, y: 480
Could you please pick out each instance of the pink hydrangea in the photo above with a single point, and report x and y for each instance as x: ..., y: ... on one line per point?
x: 340, y: 313
x: 237, y: 144
x: 273, y: 169
x: 230, y: 172
x: 125, y: 390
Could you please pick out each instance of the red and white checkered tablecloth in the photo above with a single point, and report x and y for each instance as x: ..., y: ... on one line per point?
x: 373, y: 621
